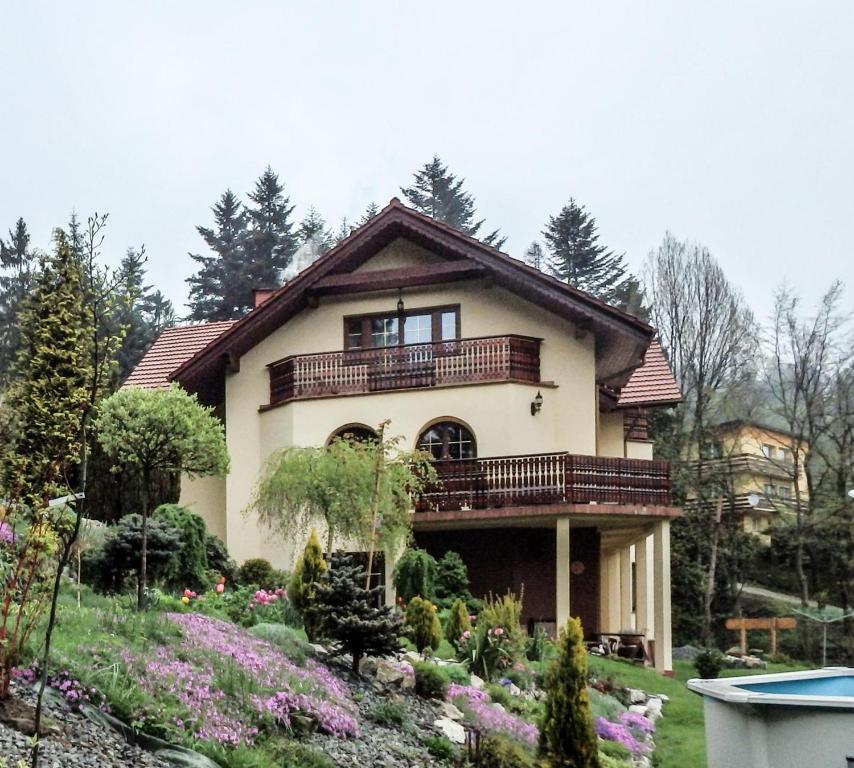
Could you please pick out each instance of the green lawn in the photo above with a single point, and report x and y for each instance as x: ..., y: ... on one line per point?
x: 680, y: 739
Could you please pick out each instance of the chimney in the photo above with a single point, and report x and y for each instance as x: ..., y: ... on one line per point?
x: 260, y: 295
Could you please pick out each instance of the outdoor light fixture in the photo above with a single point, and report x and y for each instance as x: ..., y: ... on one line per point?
x: 537, y: 404
x: 400, y: 305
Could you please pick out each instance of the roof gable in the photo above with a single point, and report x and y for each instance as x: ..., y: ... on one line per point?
x: 621, y: 339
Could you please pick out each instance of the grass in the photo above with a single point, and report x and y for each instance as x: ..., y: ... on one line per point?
x: 680, y: 736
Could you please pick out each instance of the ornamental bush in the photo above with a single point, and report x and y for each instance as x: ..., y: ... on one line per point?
x: 709, y: 663
x: 567, y: 737
x: 302, y: 587
x: 258, y: 572
x: 496, y: 751
x: 429, y: 680
x: 415, y: 575
x: 458, y: 623
x: 190, y: 568
x: 452, y: 577
x: 423, y: 625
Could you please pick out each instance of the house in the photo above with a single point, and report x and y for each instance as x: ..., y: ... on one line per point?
x: 754, y: 466
x: 531, y: 396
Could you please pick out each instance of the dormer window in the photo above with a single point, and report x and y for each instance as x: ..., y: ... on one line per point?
x: 419, y: 326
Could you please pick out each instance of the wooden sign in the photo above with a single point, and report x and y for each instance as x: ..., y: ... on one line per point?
x: 771, y: 624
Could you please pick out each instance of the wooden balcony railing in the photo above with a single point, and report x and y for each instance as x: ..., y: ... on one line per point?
x: 359, y: 371
x: 547, y: 478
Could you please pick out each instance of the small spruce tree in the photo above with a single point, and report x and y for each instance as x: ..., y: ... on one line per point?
x: 567, y: 738
x: 302, y: 588
x: 349, y: 615
x: 423, y: 624
x: 452, y: 577
x: 458, y: 622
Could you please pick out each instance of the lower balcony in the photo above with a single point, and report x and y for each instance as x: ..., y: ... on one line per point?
x: 546, y: 478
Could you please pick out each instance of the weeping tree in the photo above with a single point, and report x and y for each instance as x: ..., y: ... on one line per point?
x: 146, y: 431
x: 362, y: 490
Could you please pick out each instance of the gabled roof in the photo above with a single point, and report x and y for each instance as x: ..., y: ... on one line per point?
x: 652, y: 383
x: 621, y: 338
x: 172, y: 348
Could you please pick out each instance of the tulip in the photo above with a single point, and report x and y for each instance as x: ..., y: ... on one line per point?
x: 220, y: 588
x: 185, y: 600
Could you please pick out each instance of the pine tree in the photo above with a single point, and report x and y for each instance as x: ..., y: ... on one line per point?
x: 567, y: 738
x: 219, y: 290
x: 302, y: 587
x: 313, y: 230
x: 270, y: 241
x: 344, y: 230
x: 372, y: 210
x: 577, y: 257
x: 438, y: 193
x: 142, y: 313
x: 534, y: 256
x: 17, y: 275
x: 423, y: 625
x: 349, y: 614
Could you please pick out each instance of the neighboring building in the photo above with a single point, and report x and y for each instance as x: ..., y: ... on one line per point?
x: 753, y: 462
x: 530, y: 394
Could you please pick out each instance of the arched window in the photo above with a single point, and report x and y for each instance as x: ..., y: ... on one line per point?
x: 448, y: 440
x: 358, y: 433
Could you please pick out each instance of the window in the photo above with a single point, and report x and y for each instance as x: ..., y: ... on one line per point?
x: 785, y: 455
x: 419, y: 326
x: 448, y: 440
x: 784, y: 491
x: 770, y: 490
x: 358, y: 433
x: 768, y: 451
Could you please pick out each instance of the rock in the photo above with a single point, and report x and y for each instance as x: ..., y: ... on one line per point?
x: 394, y: 673
x: 686, y: 652
x: 514, y: 690
x: 452, y: 730
x: 368, y: 666
x: 735, y: 651
x: 499, y: 707
x: 318, y: 649
x: 637, y: 696
x: 752, y: 662
x: 449, y: 711
x: 477, y: 683
x: 653, y: 708
x: 412, y: 656
x: 639, y: 708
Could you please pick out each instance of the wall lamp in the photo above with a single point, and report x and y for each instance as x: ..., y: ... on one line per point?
x: 537, y: 404
x: 400, y: 303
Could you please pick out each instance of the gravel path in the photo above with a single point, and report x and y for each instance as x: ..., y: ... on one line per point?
x: 79, y: 743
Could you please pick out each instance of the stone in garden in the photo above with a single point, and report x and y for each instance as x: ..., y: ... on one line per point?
x: 514, y: 690
x: 686, y: 653
x: 636, y: 696
x: 452, y: 730
x: 653, y: 708
x: 368, y: 666
x: 477, y: 683
x: 318, y: 649
x: 449, y: 711
x: 735, y: 651
x: 639, y: 708
x: 390, y: 673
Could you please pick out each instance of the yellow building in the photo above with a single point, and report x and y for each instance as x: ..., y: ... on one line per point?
x: 530, y: 395
x: 756, y: 469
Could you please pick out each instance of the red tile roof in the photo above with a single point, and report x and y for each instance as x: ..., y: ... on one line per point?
x: 652, y: 383
x: 173, y: 347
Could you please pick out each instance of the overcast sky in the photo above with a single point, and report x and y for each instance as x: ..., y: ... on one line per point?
x: 728, y: 123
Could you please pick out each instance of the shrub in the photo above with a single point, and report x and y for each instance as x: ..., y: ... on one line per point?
x: 709, y: 663
x: 106, y: 569
x: 452, y: 577
x: 499, y: 694
x: 429, y: 680
x: 388, y: 713
x: 456, y: 673
x: 288, y: 639
x: 256, y: 571
x: 615, y: 750
x: 423, y: 625
x: 537, y: 646
x: 441, y: 747
x: 567, y: 736
x: 348, y: 615
x: 604, y: 705
x: 458, y: 622
x: 189, y: 568
x: 504, y: 612
x: 292, y: 754
x: 218, y: 558
x: 415, y: 575
x: 498, y: 751
x: 302, y: 587
x: 487, y: 651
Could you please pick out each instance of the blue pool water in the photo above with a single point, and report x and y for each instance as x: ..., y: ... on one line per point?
x: 841, y: 685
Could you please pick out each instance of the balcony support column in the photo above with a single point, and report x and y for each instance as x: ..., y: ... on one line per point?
x: 625, y: 589
x: 391, y: 558
x: 562, y: 589
x: 661, y: 581
x: 643, y: 590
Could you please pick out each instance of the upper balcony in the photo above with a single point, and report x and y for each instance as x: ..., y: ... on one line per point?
x: 546, y: 478
x: 436, y: 364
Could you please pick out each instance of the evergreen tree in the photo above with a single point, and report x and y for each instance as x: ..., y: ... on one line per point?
x: 17, y: 275
x: 534, y: 256
x: 219, y: 290
x: 313, y: 230
x: 142, y: 313
x: 302, y: 587
x: 438, y: 193
x: 452, y: 577
x: 372, y: 210
x: 344, y: 230
x: 577, y: 257
x: 415, y: 575
x: 349, y: 614
x: 567, y: 738
x: 270, y: 241
x: 423, y: 625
